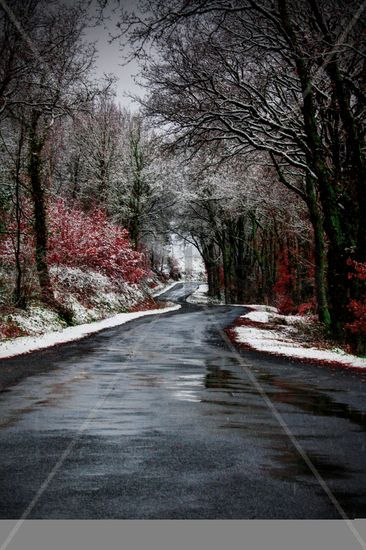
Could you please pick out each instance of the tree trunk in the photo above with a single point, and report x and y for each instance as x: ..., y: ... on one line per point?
x: 319, y: 252
x: 36, y: 144
x: 239, y: 261
x: 212, y: 266
x: 226, y: 264
x: 338, y: 283
x: 18, y: 294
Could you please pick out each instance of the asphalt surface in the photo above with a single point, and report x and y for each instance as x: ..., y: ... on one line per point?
x: 159, y: 419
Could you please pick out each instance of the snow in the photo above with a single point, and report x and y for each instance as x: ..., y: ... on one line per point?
x: 259, y: 316
x: 95, y: 300
x: 282, y: 342
x: 91, y: 295
x: 260, y: 307
x: 37, y: 319
x: 26, y: 344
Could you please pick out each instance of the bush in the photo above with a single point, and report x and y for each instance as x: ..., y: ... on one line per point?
x: 90, y: 240
x: 357, y: 327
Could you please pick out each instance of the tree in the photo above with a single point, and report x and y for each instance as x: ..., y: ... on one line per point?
x: 14, y: 204
x: 92, y: 161
x: 140, y: 198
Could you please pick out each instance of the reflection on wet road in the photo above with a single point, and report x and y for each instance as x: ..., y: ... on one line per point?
x: 168, y: 425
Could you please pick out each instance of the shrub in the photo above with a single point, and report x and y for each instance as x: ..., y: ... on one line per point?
x: 90, y: 240
x: 357, y: 308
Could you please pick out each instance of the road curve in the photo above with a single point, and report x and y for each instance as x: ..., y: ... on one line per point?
x: 159, y: 419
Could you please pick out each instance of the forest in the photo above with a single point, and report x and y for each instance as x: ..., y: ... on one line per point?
x: 248, y: 143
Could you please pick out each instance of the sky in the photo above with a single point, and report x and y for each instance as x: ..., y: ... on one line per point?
x: 110, y: 57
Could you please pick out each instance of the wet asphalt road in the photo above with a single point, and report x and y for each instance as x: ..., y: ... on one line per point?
x: 158, y: 419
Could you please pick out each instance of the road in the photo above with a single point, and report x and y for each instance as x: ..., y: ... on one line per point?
x: 159, y: 419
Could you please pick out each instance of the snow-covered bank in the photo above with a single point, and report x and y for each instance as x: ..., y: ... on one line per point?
x: 89, y: 295
x: 26, y: 344
x: 264, y: 329
x: 96, y: 302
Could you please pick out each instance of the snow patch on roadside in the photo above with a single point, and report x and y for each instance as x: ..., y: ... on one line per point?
x: 260, y: 307
x: 258, y: 316
x: 26, y: 344
x: 279, y: 339
x: 89, y: 295
x: 92, y: 297
x: 37, y: 319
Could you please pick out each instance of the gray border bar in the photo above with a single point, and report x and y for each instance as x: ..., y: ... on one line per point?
x: 183, y: 535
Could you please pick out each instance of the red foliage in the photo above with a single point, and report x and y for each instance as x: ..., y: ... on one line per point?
x: 357, y: 307
x: 147, y: 304
x: 79, y: 239
x: 90, y: 240
x: 11, y: 330
x: 284, y: 284
x: 294, y: 287
x: 359, y: 270
x: 307, y: 307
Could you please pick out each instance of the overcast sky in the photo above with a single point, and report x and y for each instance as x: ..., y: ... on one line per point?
x: 110, y: 57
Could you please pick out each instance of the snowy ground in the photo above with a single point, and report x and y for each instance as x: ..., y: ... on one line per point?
x: 96, y: 303
x: 93, y: 296
x: 25, y: 344
x: 90, y: 296
x: 264, y: 329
